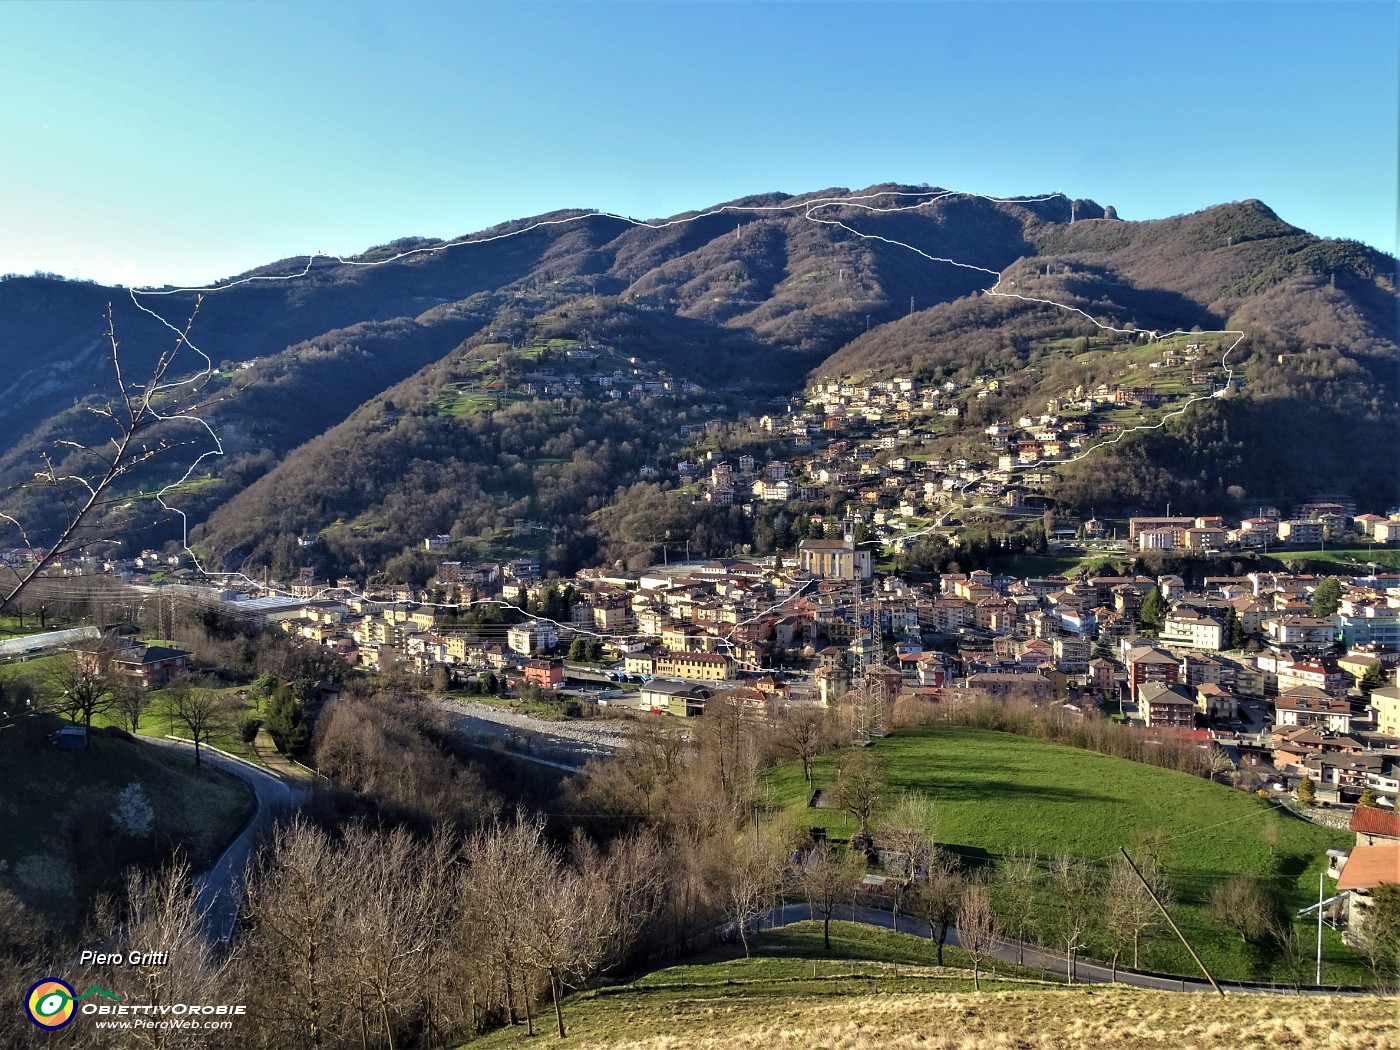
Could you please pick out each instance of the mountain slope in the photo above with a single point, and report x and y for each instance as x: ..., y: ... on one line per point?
x: 434, y: 386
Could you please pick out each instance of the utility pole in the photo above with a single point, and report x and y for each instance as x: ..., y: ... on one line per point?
x: 1320, y: 876
x: 1170, y: 922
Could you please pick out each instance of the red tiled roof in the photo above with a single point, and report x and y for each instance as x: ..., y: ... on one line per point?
x: 1372, y: 821
x: 1369, y: 866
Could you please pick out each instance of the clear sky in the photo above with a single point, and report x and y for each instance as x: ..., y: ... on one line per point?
x: 168, y: 142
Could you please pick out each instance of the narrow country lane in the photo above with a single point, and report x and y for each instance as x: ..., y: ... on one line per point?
x: 221, y: 887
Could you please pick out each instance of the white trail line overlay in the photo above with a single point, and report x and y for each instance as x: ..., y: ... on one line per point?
x: 809, y: 209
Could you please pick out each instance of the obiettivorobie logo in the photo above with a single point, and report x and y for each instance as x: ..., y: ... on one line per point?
x: 52, y: 1003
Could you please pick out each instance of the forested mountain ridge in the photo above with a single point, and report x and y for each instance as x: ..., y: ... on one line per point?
x: 453, y: 387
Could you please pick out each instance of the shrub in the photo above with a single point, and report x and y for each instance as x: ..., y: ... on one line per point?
x: 248, y: 729
x: 133, y: 815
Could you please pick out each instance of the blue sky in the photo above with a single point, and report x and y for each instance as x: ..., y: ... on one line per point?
x: 154, y: 143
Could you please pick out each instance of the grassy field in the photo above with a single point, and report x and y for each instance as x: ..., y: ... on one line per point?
x: 10, y: 626
x: 154, y: 722
x: 1348, y: 557
x: 876, y: 989
x: 60, y: 844
x: 993, y: 792
x: 1023, y: 565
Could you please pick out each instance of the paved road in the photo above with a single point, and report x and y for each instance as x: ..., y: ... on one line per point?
x: 566, y: 743
x: 221, y: 887
x: 1035, y: 958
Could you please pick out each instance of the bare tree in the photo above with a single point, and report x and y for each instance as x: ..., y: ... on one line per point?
x: 86, y: 480
x: 508, y: 866
x: 755, y: 869
x: 1240, y: 904
x: 1218, y: 765
x: 539, y: 919
x: 906, y: 842
x: 80, y: 689
x: 936, y: 898
x: 1076, y: 884
x: 727, y: 754
x: 802, y: 734
x: 1129, y: 912
x: 294, y: 915
x: 563, y: 935
x: 199, y: 710
x: 132, y: 701
x: 827, y: 879
x: 1293, y: 947
x: 1017, y: 879
x: 631, y: 884
x: 395, y: 915
x: 160, y: 913
x: 978, y: 928
x: 860, y: 787
x: 22, y: 937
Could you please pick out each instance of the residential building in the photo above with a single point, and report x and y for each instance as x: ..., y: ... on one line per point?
x: 1103, y: 676
x: 150, y: 665
x: 1147, y: 664
x: 1369, y: 620
x: 1300, y: 533
x: 1167, y: 704
x: 694, y: 667
x: 1071, y: 655
x: 1309, y: 706
x: 1375, y: 826
x: 1189, y: 628
x: 1137, y: 526
x: 1321, y: 674
x: 1385, y: 710
x: 547, y: 674
x: 999, y: 685
x: 1158, y: 539
x: 1300, y: 630
x: 1387, y: 531
x: 676, y: 698
x: 531, y: 637
x: 1366, y: 868
x: 1216, y: 702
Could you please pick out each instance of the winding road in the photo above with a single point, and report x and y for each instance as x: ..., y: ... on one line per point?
x: 1052, y: 962
x: 220, y: 888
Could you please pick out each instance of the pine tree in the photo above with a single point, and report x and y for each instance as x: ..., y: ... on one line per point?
x: 1154, y: 610
x: 1238, y: 637
x: 1368, y: 798
x: 1327, y: 597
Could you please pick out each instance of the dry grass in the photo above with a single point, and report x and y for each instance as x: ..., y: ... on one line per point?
x: 876, y: 989
x: 1053, y: 1020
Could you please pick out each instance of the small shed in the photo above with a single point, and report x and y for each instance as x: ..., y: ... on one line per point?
x: 71, y: 738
